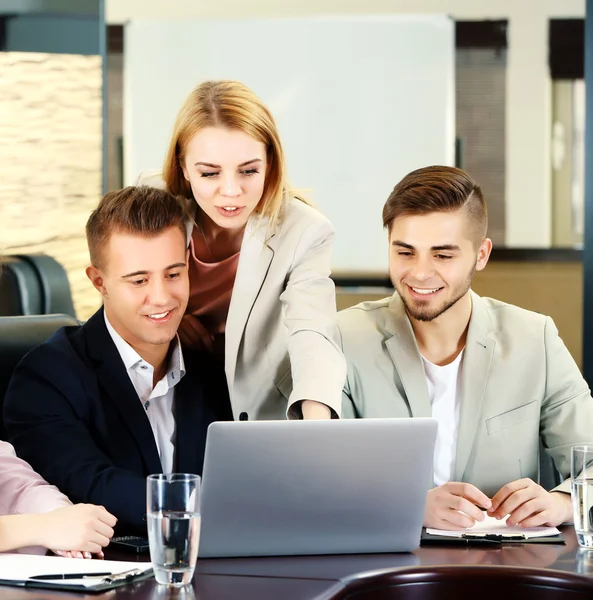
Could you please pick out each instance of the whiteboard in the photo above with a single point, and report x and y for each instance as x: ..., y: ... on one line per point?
x: 359, y: 101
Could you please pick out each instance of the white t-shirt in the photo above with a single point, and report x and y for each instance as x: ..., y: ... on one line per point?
x: 444, y: 384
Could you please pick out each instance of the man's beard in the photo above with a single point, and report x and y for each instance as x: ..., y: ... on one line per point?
x: 424, y: 313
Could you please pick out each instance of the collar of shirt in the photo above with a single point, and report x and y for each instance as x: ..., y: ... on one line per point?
x: 141, y: 372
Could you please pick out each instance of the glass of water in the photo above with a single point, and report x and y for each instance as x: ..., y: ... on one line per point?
x: 581, y: 486
x: 173, y: 513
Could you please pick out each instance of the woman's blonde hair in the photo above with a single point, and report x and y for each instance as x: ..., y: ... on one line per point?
x: 233, y: 105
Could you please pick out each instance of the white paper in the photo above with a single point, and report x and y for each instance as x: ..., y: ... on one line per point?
x: 20, y: 567
x: 490, y: 525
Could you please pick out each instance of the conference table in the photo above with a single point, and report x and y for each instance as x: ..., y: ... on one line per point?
x: 318, y: 577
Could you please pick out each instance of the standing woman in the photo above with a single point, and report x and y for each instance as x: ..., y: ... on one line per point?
x: 261, y: 297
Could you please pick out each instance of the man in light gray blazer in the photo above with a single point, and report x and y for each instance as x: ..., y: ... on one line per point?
x: 496, y: 377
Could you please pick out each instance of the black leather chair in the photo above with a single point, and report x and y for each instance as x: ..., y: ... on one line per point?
x: 18, y: 335
x: 462, y: 581
x: 34, y: 284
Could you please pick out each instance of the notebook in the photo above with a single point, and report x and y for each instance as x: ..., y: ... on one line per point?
x: 17, y: 570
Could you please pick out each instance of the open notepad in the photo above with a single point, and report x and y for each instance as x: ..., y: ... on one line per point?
x: 493, y: 527
x: 18, y: 569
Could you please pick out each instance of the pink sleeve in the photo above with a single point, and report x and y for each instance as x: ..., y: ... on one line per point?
x: 22, y: 490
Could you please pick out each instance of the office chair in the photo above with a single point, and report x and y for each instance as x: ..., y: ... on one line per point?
x: 34, y: 284
x: 18, y: 335
x: 452, y: 582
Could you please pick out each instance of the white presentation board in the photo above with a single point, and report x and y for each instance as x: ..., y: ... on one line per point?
x: 359, y: 101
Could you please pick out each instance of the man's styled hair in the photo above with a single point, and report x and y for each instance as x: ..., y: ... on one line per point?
x: 143, y: 211
x: 438, y: 189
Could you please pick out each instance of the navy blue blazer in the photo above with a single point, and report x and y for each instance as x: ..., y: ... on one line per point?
x: 72, y: 412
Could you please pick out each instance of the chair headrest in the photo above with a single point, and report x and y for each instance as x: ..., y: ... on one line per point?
x: 33, y: 284
x: 20, y: 334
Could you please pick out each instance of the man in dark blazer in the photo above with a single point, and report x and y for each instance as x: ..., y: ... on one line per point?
x: 97, y: 408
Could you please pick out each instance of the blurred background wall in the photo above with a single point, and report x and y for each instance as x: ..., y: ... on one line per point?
x: 519, y: 119
x: 519, y: 125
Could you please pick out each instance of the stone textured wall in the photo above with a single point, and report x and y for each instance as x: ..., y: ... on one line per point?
x: 50, y: 160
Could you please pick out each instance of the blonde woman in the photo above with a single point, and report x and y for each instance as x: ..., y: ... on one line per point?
x: 261, y: 296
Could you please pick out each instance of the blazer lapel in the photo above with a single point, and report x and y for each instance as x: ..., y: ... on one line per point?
x: 189, y: 416
x: 254, y: 263
x: 477, y: 361
x: 113, y: 378
x: 201, y: 397
x: 405, y: 355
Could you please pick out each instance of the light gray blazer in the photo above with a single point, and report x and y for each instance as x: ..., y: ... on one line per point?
x: 281, y: 334
x: 518, y: 382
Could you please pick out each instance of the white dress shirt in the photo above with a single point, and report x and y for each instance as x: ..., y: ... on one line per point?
x: 443, y: 392
x: 157, y: 401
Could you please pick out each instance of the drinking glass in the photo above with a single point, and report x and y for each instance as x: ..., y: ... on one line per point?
x: 581, y: 489
x: 173, y: 513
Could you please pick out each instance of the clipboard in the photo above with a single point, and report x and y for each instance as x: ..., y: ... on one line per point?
x: 17, y: 570
x: 485, y: 541
x: 492, y: 532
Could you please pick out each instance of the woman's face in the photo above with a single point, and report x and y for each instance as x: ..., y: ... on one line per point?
x: 226, y: 169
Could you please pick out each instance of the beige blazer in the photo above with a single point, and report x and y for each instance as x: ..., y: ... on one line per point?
x: 518, y: 382
x: 281, y: 334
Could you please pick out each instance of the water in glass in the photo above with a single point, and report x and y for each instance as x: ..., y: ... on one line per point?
x: 582, y: 503
x: 174, y: 539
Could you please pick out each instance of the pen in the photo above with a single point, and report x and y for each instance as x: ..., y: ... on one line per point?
x: 54, y: 576
x: 493, y: 537
x: 481, y: 542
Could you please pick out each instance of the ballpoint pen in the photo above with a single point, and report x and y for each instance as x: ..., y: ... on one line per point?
x: 495, y: 537
x: 56, y: 576
x: 106, y: 577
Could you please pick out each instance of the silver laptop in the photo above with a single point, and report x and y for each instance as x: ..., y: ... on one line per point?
x: 273, y: 488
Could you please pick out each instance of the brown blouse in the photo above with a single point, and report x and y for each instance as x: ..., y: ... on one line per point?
x: 211, y: 286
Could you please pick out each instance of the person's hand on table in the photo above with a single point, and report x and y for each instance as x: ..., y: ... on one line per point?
x: 77, y: 554
x: 77, y: 529
x: 529, y: 505
x: 455, y: 505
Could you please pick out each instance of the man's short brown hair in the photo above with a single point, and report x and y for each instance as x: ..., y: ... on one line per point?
x: 143, y: 211
x: 437, y: 189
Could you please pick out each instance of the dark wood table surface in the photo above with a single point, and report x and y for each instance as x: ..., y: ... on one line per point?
x: 317, y: 577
